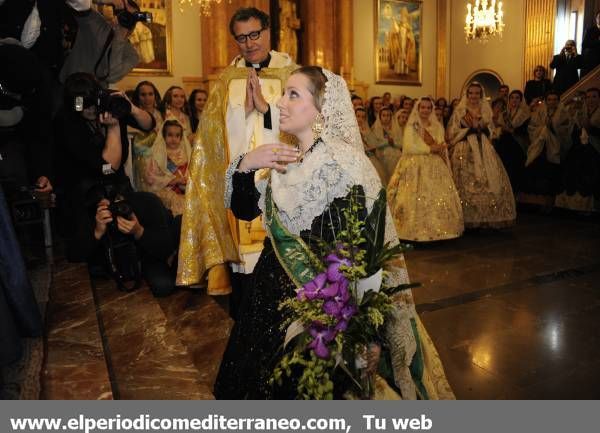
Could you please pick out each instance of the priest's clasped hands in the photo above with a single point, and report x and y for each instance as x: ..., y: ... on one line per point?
x: 254, y: 97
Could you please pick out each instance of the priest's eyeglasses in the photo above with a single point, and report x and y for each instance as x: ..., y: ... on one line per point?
x: 241, y: 39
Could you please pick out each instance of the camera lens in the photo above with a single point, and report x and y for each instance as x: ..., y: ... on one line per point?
x: 118, y: 106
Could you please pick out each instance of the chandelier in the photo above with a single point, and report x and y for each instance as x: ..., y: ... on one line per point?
x: 205, y: 5
x: 484, y: 20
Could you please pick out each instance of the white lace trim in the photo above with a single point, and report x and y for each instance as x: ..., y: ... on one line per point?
x: 229, y: 179
x: 306, y: 190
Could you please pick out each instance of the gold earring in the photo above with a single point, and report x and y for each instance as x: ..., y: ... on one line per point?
x: 317, y: 127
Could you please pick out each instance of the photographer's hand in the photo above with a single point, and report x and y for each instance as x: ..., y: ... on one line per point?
x: 130, y: 226
x: 142, y: 117
x: 43, y: 184
x: 108, y: 120
x: 117, y: 4
x: 103, y: 217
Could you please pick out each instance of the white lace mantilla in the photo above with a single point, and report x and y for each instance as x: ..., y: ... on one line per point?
x: 306, y: 190
x: 330, y: 170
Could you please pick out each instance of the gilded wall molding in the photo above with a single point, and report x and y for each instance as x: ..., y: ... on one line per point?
x: 539, y: 24
x: 442, y: 48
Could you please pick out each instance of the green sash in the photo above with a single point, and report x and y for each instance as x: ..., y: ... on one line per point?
x: 302, y: 266
x: 296, y: 258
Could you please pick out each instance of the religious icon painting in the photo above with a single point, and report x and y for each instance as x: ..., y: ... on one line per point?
x: 152, y: 38
x: 398, y: 41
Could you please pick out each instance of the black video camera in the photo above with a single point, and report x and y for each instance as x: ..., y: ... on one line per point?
x: 120, y: 208
x: 130, y: 19
x: 25, y: 204
x: 106, y: 101
x: 120, y: 249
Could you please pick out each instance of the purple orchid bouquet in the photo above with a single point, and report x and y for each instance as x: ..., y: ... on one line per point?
x: 337, y: 315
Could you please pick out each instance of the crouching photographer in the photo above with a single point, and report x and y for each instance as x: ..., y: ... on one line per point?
x: 147, y: 244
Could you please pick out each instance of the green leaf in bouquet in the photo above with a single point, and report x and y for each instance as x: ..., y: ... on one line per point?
x: 374, y: 231
x: 393, y: 290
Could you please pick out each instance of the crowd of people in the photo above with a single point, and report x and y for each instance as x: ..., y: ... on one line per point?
x: 445, y: 167
x: 526, y: 147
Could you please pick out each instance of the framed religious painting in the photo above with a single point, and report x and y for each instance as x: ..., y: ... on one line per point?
x: 398, y: 41
x: 152, y: 40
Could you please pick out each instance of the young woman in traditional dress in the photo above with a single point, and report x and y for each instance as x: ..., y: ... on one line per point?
x: 303, y: 195
x: 421, y: 194
x: 479, y: 175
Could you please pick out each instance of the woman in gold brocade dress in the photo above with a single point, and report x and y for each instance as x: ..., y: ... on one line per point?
x: 421, y: 194
x: 479, y: 176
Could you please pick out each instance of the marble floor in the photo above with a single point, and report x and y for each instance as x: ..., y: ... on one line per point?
x: 514, y: 314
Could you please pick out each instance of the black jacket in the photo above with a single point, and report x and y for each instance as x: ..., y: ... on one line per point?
x: 80, y: 174
x: 567, y: 71
x: 536, y: 89
x: 591, y: 49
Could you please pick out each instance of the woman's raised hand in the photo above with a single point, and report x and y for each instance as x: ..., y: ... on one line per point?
x: 276, y: 156
x: 438, y: 147
x: 468, y: 119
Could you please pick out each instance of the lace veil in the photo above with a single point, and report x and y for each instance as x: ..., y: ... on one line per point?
x: 413, y: 131
x: 330, y: 170
x: 486, y: 108
x: 156, y: 174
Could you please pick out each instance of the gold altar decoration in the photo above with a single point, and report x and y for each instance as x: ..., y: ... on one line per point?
x: 289, y: 24
x: 540, y: 16
x: 205, y: 5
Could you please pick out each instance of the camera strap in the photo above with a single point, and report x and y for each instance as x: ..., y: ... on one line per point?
x: 107, y: 49
x: 124, y: 264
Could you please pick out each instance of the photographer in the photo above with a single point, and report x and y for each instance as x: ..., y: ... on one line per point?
x: 567, y: 65
x: 155, y: 233
x: 98, y: 193
x: 100, y: 48
x: 93, y: 147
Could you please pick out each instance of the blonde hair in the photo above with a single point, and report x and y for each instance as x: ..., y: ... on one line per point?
x: 317, y: 80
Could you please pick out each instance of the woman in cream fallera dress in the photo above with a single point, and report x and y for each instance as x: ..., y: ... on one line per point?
x: 480, y: 178
x: 421, y: 193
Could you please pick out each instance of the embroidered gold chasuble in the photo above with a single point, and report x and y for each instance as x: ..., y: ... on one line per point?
x: 209, y: 237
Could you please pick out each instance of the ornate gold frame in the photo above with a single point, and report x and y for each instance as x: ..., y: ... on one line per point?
x: 405, y: 82
x: 168, y: 71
